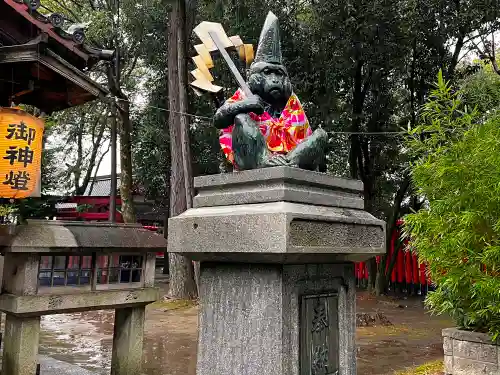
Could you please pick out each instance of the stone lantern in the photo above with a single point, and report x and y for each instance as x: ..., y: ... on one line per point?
x: 53, y: 267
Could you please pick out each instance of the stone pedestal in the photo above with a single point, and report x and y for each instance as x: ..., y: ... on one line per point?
x: 277, y: 278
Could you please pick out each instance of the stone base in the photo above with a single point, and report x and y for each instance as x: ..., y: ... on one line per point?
x: 279, y: 232
x: 470, y: 353
x: 277, y: 215
x: 272, y: 319
x: 277, y: 286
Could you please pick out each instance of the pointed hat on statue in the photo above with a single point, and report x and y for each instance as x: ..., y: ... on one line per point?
x: 269, y: 48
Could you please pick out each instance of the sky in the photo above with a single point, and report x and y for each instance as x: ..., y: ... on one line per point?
x: 105, y: 167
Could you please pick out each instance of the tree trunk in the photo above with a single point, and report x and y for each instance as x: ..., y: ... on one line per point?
x: 124, y: 130
x: 182, y: 284
x: 382, y: 275
x: 450, y: 72
x: 187, y: 15
x: 124, y: 126
x: 359, y: 157
x: 126, y: 196
x: 380, y: 283
x: 77, y: 171
x: 372, y: 273
x: 182, y: 63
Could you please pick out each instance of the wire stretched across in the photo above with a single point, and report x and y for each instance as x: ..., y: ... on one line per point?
x: 210, y: 119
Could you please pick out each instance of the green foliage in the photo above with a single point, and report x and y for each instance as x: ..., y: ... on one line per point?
x: 8, y: 214
x: 6, y: 210
x: 429, y: 368
x: 458, y: 234
x: 37, y: 208
x: 322, y: 42
x: 444, y: 118
x: 151, y: 152
x: 83, y: 207
x: 18, y: 211
x: 361, y: 66
x: 482, y: 90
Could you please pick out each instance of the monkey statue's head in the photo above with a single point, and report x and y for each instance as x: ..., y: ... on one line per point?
x: 267, y: 77
x: 271, y: 82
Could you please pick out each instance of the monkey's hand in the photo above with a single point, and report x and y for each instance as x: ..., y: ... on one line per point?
x: 225, y: 115
x: 253, y: 104
x: 277, y: 160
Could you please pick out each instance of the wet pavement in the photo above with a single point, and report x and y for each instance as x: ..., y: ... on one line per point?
x: 82, y: 339
x: 51, y: 366
x: 85, y: 340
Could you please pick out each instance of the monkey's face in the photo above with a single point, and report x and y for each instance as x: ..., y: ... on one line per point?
x: 270, y: 82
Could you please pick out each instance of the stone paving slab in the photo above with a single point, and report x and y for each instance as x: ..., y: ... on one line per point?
x: 52, y: 366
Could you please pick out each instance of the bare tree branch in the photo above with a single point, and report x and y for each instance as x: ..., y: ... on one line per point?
x: 493, y: 45
x: 488, y: 52
x: 97, y: 119
x: 92, y: 5
x: 97, y: 166
x: 93, y: 155
x: 66, y: 8
x: 132, y: 67
x: 472, y: 37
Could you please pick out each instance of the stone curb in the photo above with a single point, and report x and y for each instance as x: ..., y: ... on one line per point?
x: 460, y: 334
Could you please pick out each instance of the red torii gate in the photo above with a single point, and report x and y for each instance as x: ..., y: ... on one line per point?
x: 407, y: 272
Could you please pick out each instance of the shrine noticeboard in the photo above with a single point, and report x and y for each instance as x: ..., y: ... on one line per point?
x: 21, y: 137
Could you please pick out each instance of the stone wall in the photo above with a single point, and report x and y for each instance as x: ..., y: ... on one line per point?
x: 470, y: 353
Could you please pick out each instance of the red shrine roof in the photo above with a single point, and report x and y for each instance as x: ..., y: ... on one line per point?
x: 43, y: 57
x: 25, y: 12
x: 97, y: 196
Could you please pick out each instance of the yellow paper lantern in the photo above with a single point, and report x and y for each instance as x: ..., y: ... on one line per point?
x: 21, y: 138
